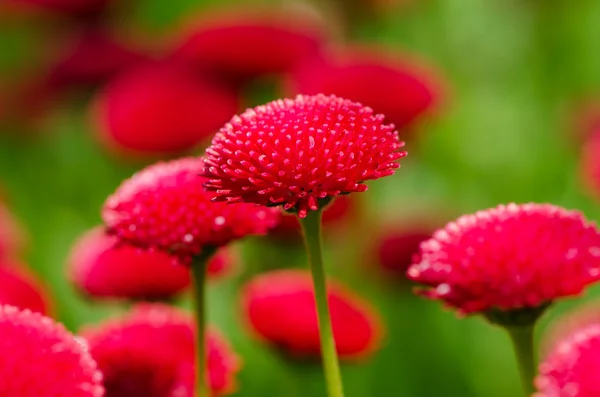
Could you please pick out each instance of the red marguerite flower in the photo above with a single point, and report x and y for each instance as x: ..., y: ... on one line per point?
x: 571, y: 369
x: 161, y: 108
x: 295, y: 152
x: 509, y: 257
x: 149, y: 351
x: 395, y: 86
x: 280, y: 308
x: 243, y: 45
x: 41, y: 358
x: 102, y: 266
x: 165, y: 206
x: 21, y: 289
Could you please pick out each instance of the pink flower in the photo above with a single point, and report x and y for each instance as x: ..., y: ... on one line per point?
x: 297, y: 152
x: 165, y: 206
x: 150, y: 351
x: 40, y: 358
x: 161, y: 108
x: 280, y: 308
x: 509, y: 257
x: 571, y: 369
x: 396, y: 86
x: 21, y: 289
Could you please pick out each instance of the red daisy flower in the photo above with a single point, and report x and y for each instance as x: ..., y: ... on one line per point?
x: 509, y: 257
x: 397, y: 87
x: 248, y: 44
x: 148, y: 353
x: 571, y: 369
x: 297, y: 152
x: 20, y: 289
x: 161, y: 108
x: 40, y: 358
x: 280, y: 308
x: 590, y: 164
x: 165, y: 206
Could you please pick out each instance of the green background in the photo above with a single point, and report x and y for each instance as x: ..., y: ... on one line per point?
x: 515, y: 70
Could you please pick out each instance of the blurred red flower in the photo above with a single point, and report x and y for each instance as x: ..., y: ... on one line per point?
x: 509, y: 257
x: 41, y: 358
x: 396, y: 248
x: 165, y: 206
x: 396, y: 86
x: 295, y: 153
x: 148, y: 353
x: 590, y: 163
x: 160, y: 108
x: 242, y: 45
x: 280, y: 308
x: 21, y: 289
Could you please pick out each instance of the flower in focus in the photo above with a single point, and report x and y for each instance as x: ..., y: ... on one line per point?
x: 165, y: 206
x: 280, y: 308
x: 148, y: 353
x: 509, y: 257
x: 335, y: 214
x: 20, y: 289
x: 297, y: 152
x: 590, y: 163
x: 571, y: 369
x: 161, y: 108
x: 396, y: 248
x: 41, y: 358
x: 399, y: 88
x: 245, y: 45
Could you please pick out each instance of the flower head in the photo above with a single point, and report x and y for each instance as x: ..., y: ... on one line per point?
x: 165, y: 206
x: 41, y: 358
x: 148, y: 352
x: 280, y: 308
x: 244, y: 45
x: 20, y: 289
x: 160, y: 108
x: 571, y: 369
x: 296, y: 152
x: 509, y: 257
x: 397, y: 87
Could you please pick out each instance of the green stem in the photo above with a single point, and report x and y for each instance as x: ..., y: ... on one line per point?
x: 311, y: 229
x: 199, y: 264
x: 522, y: 341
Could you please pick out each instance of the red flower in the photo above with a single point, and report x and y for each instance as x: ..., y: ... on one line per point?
x: 20, y: 289
x: 572, y: 368
x: 280, y: 307
x: 296, y: 152
x: 333, y: 215
x: 165, y: 206
x: 509, y: 257
x: 397, y: 248
x: 161, y: 108
x: 40, y: 358
x: 248, y: 44
x: 148, y: 353
x: 397, y: 87
x: 590, y: 164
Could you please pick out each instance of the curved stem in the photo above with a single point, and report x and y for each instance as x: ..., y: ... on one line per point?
x: 522, y: 341
x: 198, y: 269
x: 311, y: 229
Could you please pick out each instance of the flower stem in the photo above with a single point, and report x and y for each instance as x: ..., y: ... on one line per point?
x: 522, y: 341
x: 198, y: 269
x: 311, y: 230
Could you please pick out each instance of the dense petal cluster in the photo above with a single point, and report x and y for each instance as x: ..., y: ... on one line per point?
x: 509, y: 257
x: 280, y: 308
x: 149, y: 351
x: 399, y: 88
x: 165, y: 206
x: 161, y: 108
x: 245, y: 45
x: 590, y: 164
x: 40, y: 358
x: 571, y: 369
x: 20, y: 289
x: 295, y: 152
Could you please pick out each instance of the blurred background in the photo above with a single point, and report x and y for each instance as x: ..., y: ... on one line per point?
x: 495, y: 99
